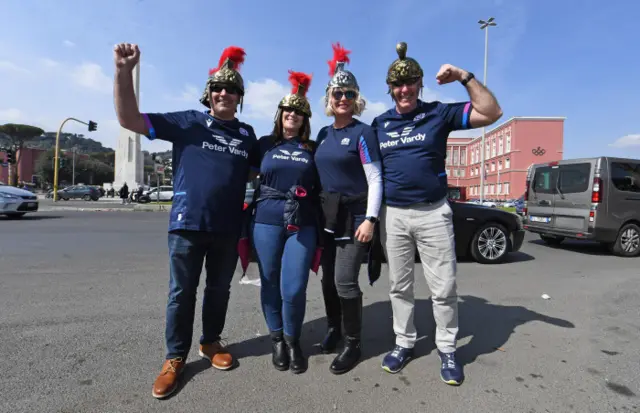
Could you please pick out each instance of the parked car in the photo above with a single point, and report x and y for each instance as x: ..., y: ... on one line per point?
x: 485, y: 234
x: 15, y: 202
x: 165, y: 194
x: 86, y: 192
x: 592, y: 198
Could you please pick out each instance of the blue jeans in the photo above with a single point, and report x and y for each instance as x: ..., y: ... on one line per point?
x: 187, y: 253
x: 284, y: 260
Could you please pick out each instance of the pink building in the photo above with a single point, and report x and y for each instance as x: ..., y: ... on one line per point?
x: 511, y: 148
x: 25, y: 168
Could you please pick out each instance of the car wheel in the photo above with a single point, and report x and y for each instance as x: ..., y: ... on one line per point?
x: 87, y: 197
x: 551, y: 240
x: 628, y: 242
x: 490, y: 244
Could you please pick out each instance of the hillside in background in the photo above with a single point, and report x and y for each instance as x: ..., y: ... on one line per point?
x: 67, y: 142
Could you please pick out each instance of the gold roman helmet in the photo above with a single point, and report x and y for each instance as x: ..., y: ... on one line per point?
x: 297, y: 98
x: 404, y: 68
x: 226, y: 74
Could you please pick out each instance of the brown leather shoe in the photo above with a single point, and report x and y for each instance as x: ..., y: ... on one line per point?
x: 218, y: 355
x: 167, y: 381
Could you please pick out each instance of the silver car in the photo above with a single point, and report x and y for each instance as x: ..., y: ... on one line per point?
x: 15, y: 202
x: 592, y: 198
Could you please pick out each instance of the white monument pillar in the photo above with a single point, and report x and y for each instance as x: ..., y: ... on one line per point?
x: 129, y: 159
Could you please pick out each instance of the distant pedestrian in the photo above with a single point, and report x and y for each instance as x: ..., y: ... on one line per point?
x: 124, y: 193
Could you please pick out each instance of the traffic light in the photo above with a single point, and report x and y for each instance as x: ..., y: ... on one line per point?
x: 10, y: 156
x: 62, y: 162
x: 92, y: 126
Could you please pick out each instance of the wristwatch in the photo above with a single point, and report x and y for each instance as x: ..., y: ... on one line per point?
x: 373, y: 220
x: 467, y: 79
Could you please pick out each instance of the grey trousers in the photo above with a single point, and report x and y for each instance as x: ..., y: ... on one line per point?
x: 429, y: 228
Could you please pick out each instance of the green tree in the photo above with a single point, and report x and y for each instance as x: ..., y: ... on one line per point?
x: 18, y: 134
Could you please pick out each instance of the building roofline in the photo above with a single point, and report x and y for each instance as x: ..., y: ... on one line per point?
x: 511, y: 119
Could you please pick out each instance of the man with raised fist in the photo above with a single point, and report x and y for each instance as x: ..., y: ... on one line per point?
x: 212, y: 154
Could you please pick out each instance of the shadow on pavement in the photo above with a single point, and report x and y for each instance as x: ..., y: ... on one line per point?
x: 582, y: 247
x: 30, y: 217
x: 489, y: 326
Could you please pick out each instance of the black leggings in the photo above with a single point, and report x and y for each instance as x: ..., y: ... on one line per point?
x: 341, y: 262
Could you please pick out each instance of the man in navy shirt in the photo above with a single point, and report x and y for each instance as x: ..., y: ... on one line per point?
x: 212, y: 154
x: 416, y: 214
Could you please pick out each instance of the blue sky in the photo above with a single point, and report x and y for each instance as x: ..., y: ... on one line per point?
x: 546, y: 58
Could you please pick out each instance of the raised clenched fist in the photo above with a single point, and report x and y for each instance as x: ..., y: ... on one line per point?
x: 126, y: 56
x: 449, y: 73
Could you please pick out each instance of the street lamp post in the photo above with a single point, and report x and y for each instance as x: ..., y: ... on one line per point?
x: 73, y: 168
x: 484, y: 25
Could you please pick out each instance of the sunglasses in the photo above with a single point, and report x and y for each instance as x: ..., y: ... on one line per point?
x: 407, y: 82
x: 232, y: 90
x: 296, y: 111
x: 338, y: 94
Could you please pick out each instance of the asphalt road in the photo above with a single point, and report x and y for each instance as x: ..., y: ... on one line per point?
x: 82, y: 298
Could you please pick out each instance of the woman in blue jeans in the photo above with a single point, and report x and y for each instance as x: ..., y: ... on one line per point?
x: 285, y: 223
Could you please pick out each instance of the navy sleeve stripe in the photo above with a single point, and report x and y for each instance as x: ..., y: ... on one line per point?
x: 152, y: 131
x: 363, y: 149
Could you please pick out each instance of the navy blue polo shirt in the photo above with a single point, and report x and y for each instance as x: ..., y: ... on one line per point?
x: 211, y: 162
x: 413, y: 147
x: 341, y: 154
x: 283, y: 165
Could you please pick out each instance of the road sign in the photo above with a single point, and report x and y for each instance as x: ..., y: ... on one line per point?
x: 159, y: 169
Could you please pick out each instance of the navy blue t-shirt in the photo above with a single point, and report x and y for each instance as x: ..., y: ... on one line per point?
x: 282, y: 166
x: 211, y: 161
x: 413, y: 147
x: 341, y: 154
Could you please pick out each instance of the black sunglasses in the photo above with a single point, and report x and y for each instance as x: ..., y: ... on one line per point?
x: 232, y: 90
x: 296, y: 111
x: 408, y: 82
x: 338, y: 94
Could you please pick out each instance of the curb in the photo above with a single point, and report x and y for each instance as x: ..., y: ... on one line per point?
x: 78, y: 209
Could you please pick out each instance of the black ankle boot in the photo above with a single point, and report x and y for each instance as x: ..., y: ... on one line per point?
x: 350, y: 355
x: 280, y: 358
x: 297, y: 361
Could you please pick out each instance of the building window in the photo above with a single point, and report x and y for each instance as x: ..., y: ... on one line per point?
x: 507, y: 163
x: 508, y: 143
x: 499, y: 189
x: 499, y: 165
x: 493, y: 166
x: 462, y: 173
x: 493, y: 147
x: 487, y: 154
x: 448, y: 172
x: 463, y: 156
x: 500, y: 146
x: 506, y: 188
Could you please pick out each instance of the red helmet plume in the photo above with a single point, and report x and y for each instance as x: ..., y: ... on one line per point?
x: 340, y: 54
x: 300, y: 82
x: 235, y: 54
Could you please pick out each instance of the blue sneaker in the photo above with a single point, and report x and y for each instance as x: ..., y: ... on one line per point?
x: 450, y: 371
x: 397, y: 359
